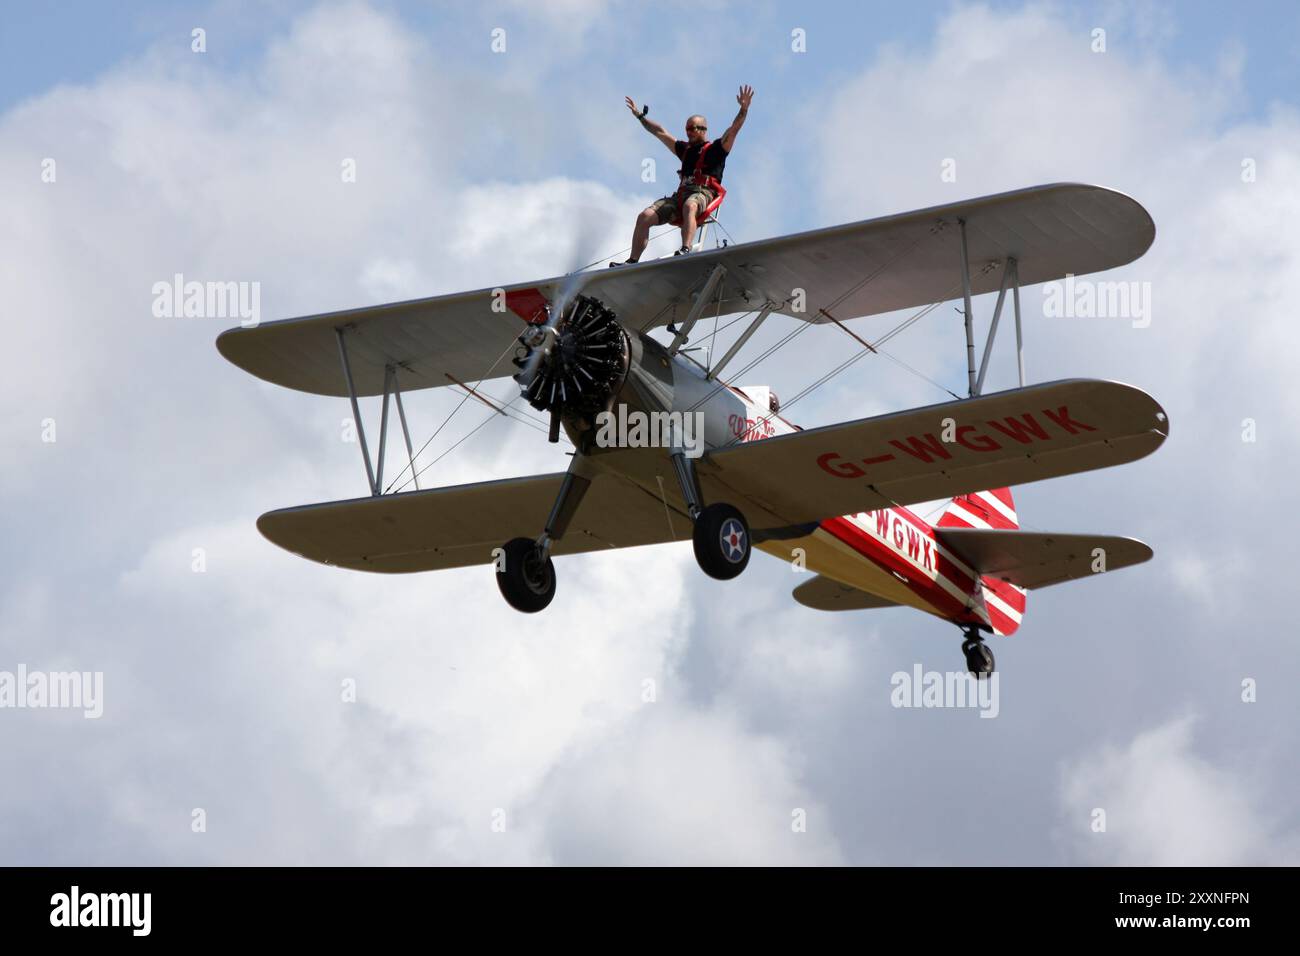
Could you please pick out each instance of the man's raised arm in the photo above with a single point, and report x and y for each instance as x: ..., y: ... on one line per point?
x: 653, y: 128
x: 744, y: 97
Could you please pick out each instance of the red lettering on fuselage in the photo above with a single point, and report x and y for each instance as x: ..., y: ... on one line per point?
x: 751, y: 429
x: 906, y: 535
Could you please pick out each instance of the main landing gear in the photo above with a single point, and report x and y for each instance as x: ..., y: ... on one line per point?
x: 979, y: 657
x: 526, y: 575
x: 721, y: 540
x: 721, y: 535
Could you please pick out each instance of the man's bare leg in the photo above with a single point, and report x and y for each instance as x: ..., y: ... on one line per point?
x: 688, y: 225
x: 641, y: 234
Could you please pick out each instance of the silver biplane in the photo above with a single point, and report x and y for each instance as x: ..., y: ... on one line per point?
x: 833, y: 498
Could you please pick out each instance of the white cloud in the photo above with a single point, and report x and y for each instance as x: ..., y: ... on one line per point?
x: 1167, y: 805
x: 686, y: 786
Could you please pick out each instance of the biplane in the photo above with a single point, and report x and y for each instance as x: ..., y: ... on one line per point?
x: 834, y: 499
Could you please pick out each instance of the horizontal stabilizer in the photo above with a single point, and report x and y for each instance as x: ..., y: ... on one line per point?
x: 1032, y: 559
x: 827, y: 594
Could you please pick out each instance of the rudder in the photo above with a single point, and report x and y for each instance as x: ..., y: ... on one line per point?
x: 993, y: 509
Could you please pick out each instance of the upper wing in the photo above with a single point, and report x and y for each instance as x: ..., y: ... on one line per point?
x: 458, y: 526
x: 1030, y: 559
x: 996, y: 441
x: 907, y: 260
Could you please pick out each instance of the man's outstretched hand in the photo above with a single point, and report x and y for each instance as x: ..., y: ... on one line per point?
x: 631, y: 104
x: 743, y: 97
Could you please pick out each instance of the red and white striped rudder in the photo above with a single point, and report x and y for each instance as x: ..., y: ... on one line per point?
x: 981, y: 509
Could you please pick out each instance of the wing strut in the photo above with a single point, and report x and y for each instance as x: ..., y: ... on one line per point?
x: 1010, y: 277
x: 1009, y: 274
x: 375, y: 474
x: 968, y: 315
x: 356, y: 410
x: 701, y: 303
x: 1020, y: 342
x: 740, y: 342
x: 406, y: 432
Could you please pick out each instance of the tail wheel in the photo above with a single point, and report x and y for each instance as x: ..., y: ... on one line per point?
x: 527, y: 578
x: 979, y: 657
x: 722, y: 544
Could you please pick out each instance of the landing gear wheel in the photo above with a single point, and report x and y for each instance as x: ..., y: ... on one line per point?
x: 721, y: 541
x: 979, y: 658
x: 527, y: 581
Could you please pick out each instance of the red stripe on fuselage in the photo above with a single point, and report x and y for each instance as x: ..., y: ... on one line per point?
x: 958, y: 576
x: 889, y: 558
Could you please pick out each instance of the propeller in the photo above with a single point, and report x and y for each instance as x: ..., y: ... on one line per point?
x: 575, y: 359
x: 586, y: 235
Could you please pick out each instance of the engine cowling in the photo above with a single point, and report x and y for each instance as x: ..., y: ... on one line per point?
x: 573, y: 366
x: 584, y: 362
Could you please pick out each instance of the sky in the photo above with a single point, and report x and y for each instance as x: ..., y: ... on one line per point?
x: 258, y: 708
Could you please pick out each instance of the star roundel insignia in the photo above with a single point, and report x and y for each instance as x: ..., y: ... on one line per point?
x: 733, y: 540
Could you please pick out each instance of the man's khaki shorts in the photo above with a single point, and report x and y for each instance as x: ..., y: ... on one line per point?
x: 667, y: 210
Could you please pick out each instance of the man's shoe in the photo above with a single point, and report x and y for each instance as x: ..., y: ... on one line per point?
x: 629, y: 262
x: 682, y: 251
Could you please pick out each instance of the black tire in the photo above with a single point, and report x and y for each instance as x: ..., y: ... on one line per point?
x: 527, y: 581
x: 721, y: 541
x: 979, y: 658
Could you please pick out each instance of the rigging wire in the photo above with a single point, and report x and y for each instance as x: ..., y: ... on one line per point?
x: 466, y: 397
x: 468, y: 435
x: 862, y: 353
x: 805, y: 325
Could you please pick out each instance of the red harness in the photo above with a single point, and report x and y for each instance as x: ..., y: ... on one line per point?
x: 698, y: 177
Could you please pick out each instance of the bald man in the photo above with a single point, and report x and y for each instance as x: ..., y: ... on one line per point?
x: 702, y: 164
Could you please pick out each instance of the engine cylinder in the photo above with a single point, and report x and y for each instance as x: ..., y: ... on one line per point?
x: 573, y: 366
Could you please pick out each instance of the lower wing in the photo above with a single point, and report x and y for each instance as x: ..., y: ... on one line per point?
x: 461, y: 525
